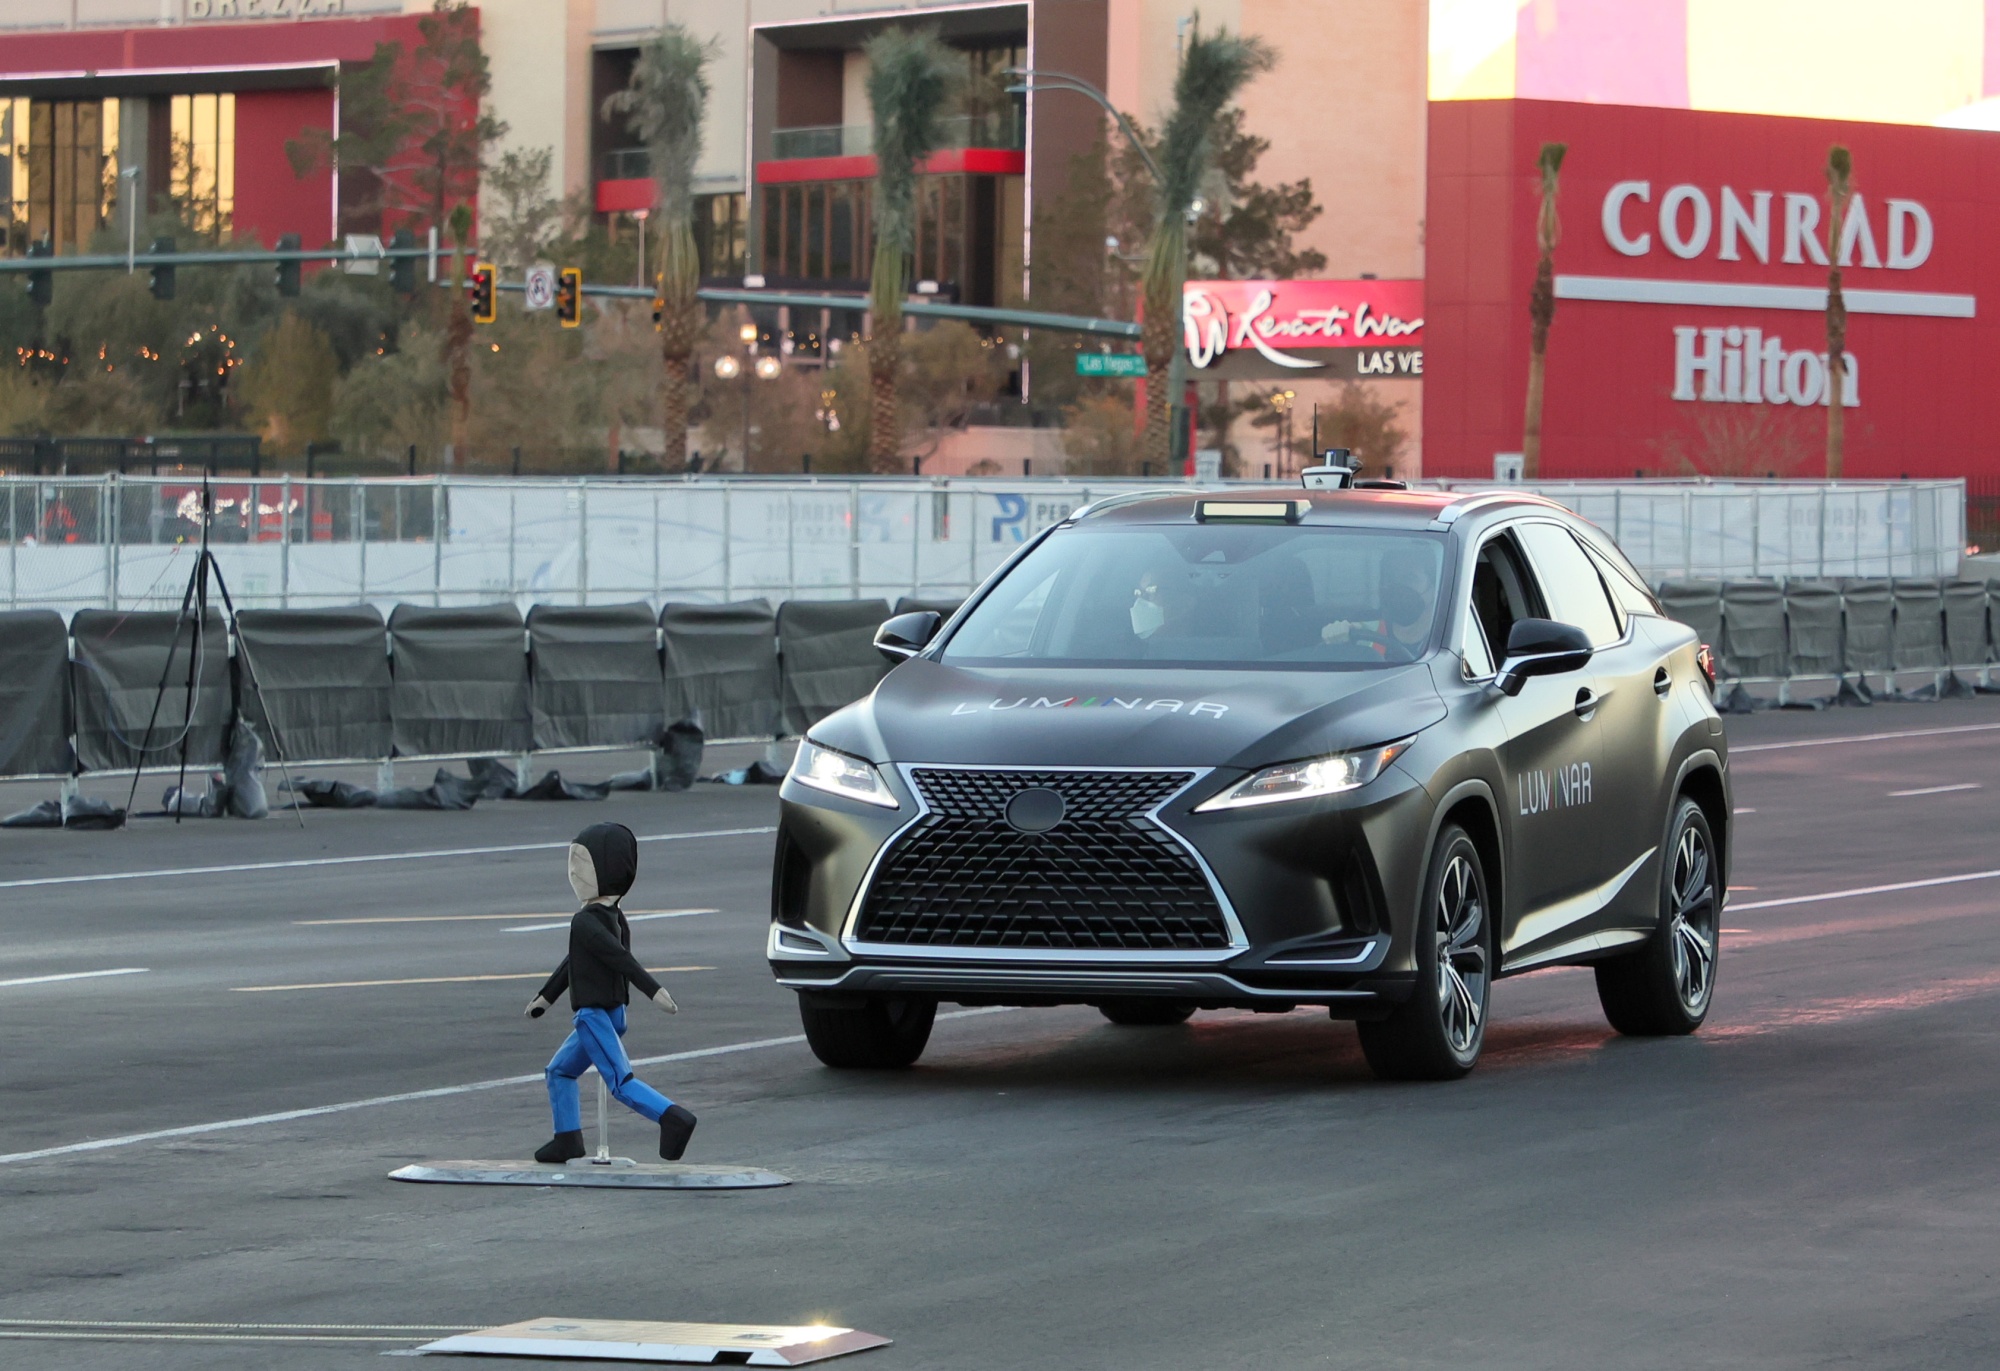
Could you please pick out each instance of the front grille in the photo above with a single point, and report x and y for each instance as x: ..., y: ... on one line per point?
x: 1105, y: 878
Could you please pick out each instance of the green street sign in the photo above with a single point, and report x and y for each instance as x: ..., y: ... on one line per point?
x: 1110, y: 364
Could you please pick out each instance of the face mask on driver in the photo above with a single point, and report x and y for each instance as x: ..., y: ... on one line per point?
x: 1147, y: 617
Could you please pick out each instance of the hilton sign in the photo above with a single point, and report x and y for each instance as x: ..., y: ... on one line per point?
x: 1691, y: 287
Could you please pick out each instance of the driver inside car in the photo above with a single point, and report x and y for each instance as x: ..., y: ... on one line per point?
x: 1408, y: 600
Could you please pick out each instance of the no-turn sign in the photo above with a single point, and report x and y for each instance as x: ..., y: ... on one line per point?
x: 541, y: 288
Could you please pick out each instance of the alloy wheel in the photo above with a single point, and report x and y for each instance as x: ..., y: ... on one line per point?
x: 1462, y: 969
x: 1691, y: 928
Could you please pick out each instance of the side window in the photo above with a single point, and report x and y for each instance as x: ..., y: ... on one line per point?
x: 1478, y: 657
x: 1571, y: 583
x: 1627, y: 587
x: 1501, y: 592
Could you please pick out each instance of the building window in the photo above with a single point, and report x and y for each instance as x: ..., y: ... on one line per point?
x: 204, y: 161
x: 816, y: 230
x: 719, y: 234
x: 58, y: 167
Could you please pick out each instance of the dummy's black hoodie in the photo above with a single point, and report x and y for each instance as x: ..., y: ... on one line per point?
x: 600, y: 963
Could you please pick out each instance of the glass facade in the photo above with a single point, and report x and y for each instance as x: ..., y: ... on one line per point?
x: 720, y: 231
x: 820, y: 230
x: 204, y: 160
x: 59, y: 164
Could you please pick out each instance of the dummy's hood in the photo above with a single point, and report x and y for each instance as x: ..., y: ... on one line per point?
x: 925, y: 711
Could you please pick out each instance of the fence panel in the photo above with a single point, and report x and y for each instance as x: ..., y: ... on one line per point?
x: 1919, y: 627
x: 1867, y: 610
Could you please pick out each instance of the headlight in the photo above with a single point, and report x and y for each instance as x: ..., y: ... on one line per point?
x: 1307, y: 780
x: 839, y: 774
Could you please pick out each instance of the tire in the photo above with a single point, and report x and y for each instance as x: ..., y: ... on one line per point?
x: 1146, y: 1013
x: 1436, y: 1034
x: 879, y: 1034
x: 1665, y: 987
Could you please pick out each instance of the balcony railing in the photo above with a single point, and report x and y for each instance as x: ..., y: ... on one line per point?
x: 1003, y: 129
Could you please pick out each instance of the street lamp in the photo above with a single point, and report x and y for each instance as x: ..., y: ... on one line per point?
x: 1031, y: 80
x: 729, y: 367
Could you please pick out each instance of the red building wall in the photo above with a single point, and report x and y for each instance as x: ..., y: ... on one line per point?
x: 270, y: 199
x: 1613, y: 364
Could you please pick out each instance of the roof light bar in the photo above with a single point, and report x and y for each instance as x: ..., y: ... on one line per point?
x: 1260, y: 511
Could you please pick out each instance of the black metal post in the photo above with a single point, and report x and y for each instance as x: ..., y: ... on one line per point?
x: 413, y: 459
x: 517, y: 461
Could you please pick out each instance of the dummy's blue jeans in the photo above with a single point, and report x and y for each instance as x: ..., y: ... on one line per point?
x: 594, y: 1043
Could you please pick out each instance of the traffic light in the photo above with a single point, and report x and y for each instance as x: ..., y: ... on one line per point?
x: 403, y: 270
x: 41, y: 284
x: 569, y: 296
x: 288, y: 272
x: 659, y: 302
x: 484, y: 297
x: 161, y: 281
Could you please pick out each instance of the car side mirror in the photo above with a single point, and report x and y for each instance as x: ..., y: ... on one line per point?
x: 904, y: 636
x: 1541, y: 647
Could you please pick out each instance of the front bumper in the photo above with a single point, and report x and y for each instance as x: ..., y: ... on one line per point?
x: 1319, y: 895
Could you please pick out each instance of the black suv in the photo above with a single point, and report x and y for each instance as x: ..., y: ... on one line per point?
x: 1353, y: 748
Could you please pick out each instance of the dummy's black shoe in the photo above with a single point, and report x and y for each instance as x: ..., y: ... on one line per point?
x: 563, y: 1147
x: 676, y: 1127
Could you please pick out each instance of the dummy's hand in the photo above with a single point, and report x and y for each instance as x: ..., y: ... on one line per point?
x: 665, y: 1001
x: 537, y: 1007
x: 1336, y: 632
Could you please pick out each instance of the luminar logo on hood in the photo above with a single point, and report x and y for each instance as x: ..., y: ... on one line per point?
x: 1137, y: 703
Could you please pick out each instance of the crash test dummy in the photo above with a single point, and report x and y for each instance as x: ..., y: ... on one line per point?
x: 600, y: 967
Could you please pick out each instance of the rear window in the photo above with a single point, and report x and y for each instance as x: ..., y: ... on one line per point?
x: 1236, y: 595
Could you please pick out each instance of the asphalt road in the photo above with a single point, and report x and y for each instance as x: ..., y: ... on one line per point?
x: 1811, y: 1181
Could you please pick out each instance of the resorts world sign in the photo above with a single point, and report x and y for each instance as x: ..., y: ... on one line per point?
x: 1305, y: 330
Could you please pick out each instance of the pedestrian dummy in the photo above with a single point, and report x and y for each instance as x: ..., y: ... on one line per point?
x: 598, y: 974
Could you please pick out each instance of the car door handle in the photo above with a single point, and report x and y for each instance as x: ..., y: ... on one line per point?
x: 1587, y: 701
x: 1663, y: 681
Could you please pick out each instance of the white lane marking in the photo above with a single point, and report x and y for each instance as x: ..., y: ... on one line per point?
x: 1862, y: 738
x: 479, y: 918
x: 437, y: 1093
x: 77, y: 976
x: 367, y: 857
x: 1741, y: 810
x: 239, y: 1327
x: 1856, y: 892
x: 434, y: 980
x: 1934, y: 790
x: 629, y: 918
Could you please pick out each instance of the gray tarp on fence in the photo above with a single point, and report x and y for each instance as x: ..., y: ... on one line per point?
x: 1753, y: 629
x: 461, y: 680
x: 596, y: 675
x: 1698, y: 604
x: 722, y: 667
x: 119, y: 658
x: 1919, y: 629
x: 827, y: 656
x: 34, y: 694
x: 1867, y: 640
x: 1965, y: 640
x: 323, y: 674
x: 1812, y: 616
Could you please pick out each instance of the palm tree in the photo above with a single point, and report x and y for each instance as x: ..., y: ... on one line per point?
x: 1839, y: 189
x: 1541, y: 307
x: 1214, y: 68
x: 911, y: 79
x: 663, y: 105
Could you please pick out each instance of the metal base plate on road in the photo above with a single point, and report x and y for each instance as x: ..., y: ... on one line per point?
x: 620, y: 1173
x: 702, y: 1344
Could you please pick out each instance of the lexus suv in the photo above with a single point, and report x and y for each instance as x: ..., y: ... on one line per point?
x: 1361, y: 749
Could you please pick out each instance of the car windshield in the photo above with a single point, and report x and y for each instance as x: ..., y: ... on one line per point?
x: 1245, y: 595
